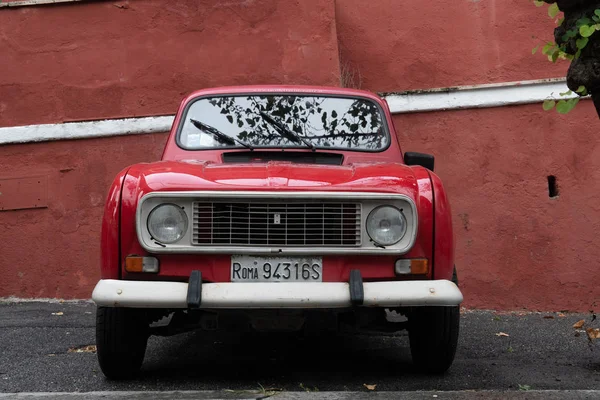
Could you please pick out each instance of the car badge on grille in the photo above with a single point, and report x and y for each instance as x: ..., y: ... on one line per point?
x: 277, y: 219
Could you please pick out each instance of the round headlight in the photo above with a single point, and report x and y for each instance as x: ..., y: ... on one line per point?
x: 386, y: 225
x: 167, y: 223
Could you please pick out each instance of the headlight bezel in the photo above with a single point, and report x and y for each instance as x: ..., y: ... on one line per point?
x: 184, y: 218
x: 402, y: 218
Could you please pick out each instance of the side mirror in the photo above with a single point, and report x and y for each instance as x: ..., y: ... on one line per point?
x: 424, y: 160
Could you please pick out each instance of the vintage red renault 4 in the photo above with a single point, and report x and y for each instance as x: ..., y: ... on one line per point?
x: 278, y: 208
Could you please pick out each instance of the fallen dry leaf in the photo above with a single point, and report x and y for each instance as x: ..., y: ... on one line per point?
x: 58, y: 313
x: 522, y: 313
x: 83, y: 349
x: 548, y: 317
x: 369, y: 387
x: 502, y: 334
x: 593, y: 333
x: 561, y: 315
x: 579, y: 324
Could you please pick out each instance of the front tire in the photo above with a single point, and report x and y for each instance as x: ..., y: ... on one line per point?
x: 121, y: 339
x: 433, y: 335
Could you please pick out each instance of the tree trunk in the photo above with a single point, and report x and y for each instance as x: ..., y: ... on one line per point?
x: 585, y: 70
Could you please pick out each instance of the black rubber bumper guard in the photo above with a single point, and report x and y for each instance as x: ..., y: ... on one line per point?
x: 194, y: 293
x: 357, y: 291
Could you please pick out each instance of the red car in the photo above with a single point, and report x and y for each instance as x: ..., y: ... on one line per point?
x: 278, y: 208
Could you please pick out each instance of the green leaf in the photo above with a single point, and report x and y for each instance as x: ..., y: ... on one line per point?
x: 547, y: 48
x: 565, y: 106
x: 583, y: 21
x: 538, y: 3
x: 554, y: 56
x: 561, y: 107
x: 597, y: 12
x: 535, y: 49
x: 553, y: 10
x: 586, y: 30
x: 581, y: 89
x: 581, y: 43
x: 560, y: 21
x: 548, y: 105
x: 567, y: 93
x: 577, y: 54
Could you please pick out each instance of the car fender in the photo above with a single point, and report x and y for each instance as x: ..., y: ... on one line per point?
x: 443, y: 243
x: 109, y: 239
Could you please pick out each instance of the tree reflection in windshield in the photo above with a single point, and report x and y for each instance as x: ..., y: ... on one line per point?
x: 326, y: 122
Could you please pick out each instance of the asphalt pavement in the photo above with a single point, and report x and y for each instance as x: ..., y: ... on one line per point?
x: 45, y: 347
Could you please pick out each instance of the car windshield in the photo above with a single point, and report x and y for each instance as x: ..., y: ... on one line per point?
x: 284, y: 121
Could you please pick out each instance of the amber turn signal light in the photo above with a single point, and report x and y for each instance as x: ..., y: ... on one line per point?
x: 141, y: 264
x: 417, y: 266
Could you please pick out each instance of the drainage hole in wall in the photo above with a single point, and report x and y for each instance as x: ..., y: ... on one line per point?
x: 552, y: 187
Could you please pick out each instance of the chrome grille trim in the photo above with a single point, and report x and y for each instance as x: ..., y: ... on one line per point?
x: 185, y: 199
x: 289, y: 223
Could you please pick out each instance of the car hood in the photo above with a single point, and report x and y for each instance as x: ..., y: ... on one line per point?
x: 199, y: 175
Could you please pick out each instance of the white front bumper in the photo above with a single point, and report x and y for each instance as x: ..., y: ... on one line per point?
x: 149, y: 294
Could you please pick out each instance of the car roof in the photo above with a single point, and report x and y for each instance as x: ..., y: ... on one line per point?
x: 281, y: 89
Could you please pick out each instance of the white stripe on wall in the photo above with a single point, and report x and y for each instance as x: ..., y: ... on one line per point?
x: 85, y: 130
x: 480, y: 96
x: 34, y: 2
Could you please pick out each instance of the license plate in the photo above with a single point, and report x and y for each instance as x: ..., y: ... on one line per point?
x: 276, y: 269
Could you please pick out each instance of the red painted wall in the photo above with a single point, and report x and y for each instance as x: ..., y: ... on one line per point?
x: 99, y: 60
x: 415, y: 44
x: 515, y: 247
x: 55, y: 251
x: 107, y: 59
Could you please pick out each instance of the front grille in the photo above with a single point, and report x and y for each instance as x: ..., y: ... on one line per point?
x: 294, y: 223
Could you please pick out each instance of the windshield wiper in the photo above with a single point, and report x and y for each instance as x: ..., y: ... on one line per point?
x: 220, y: 136
x: 286, y: 132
